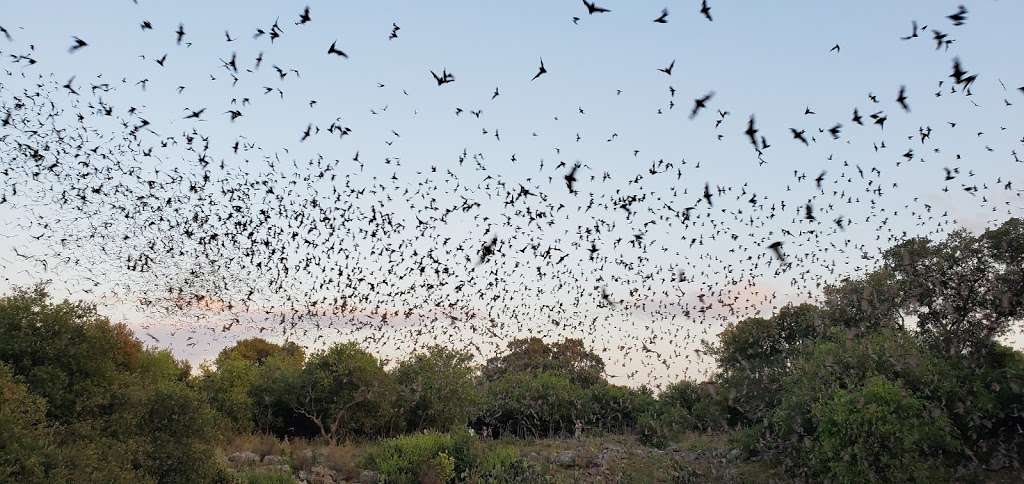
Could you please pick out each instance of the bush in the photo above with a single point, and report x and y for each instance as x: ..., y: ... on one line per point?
x: 178, y: 428
x: 880, y: 433
x: 344, y: 391
x: 502, y: 465
x: 657, y: 427
x: 544, y: 404
x: 437, y: 391
x: 614, y: 408
x: 343, y: 459
x: 26, y: 446
x: 410, y: 457
x: 120, y: 413
x: 840, y: 363
x: 702, y: 404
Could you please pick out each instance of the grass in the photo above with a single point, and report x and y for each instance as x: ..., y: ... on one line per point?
x: 599, y: 458
x: 263, y: 476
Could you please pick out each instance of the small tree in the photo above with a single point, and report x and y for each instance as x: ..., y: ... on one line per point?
x: 965, y: 290
x: 344, y: 390
x: 437, y: 389
x: 879, y: 432
x: 569, y: 357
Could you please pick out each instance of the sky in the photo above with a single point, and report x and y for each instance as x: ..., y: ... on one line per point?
x: 768, y: 59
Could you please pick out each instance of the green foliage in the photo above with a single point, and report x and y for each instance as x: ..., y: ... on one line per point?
x: 119, y: 413
x: 701, y: 403
x: 412, y: 458
x: 535, y: 405
x: 258, y: 350
x: 569, y: 358
x: 503, y: 465
x: 179, y: 429
x: 754, y: 355
x: 963, y: 291
x: 841, y: 363
x: 345, y: 391
x: 615, y: 408
x: 437, y: 388
x: 879, y: 432
x: 160, y: 365
x: 65, y: 352
x: 26, y: 440
x: 228, y: 389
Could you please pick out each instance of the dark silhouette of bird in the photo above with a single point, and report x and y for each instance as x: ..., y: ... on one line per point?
x: 705, y: 10
x: 776, y: 248
x: 77, y: 44
x: 799, y: 135
x: 668, y: 70
x: 304, y: 17
x: 444, y: 78
x: 663, y: 18
x: 959, y: 17
x: 751, y: 133
x: 540, y: 71
x: 592, y: 8
x: 333, y: 49
x: 570, y: 178
x: 700, y: 103
x: 913, y: 33
x: 902, y: 99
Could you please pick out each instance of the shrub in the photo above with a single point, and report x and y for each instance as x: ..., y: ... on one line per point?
x: 502, y: 465
x: 656, y: 427
x: 121, y: 413
x: 439, y: 470
x: 259, y: 444
x: 880, y: 433
x: 344, y: 391
x: 437, y: 391
x: 703, y: 406
x: 615, y: 408
x: 842, y: 363
x: 343, y: 459
x: 535, y: 405
x: 407, y: 458
x: 26, y: 452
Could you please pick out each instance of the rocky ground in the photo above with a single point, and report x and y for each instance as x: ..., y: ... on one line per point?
x: 699, y: 458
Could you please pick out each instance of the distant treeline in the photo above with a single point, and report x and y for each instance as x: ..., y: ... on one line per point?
x: 896, y: 375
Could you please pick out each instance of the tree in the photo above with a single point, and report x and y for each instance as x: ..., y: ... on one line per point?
x: 533, y: 404
x: 569, y: 357
x: 65, y: 352
x: 344, y: 391
x: 755, y: 354
x: 228, y: 389
x: 965, y: 290
x: 249, y: 385
x: 27, y: 451
x: 258, y: 350
x: 880, y: 432
x: 839, y: 363
x: 438, y: 391
x: 615, y: 408
x: 119, y: 413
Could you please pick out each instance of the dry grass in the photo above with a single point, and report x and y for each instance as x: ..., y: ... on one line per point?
x: 259, y: 444
x: 343, y: 459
